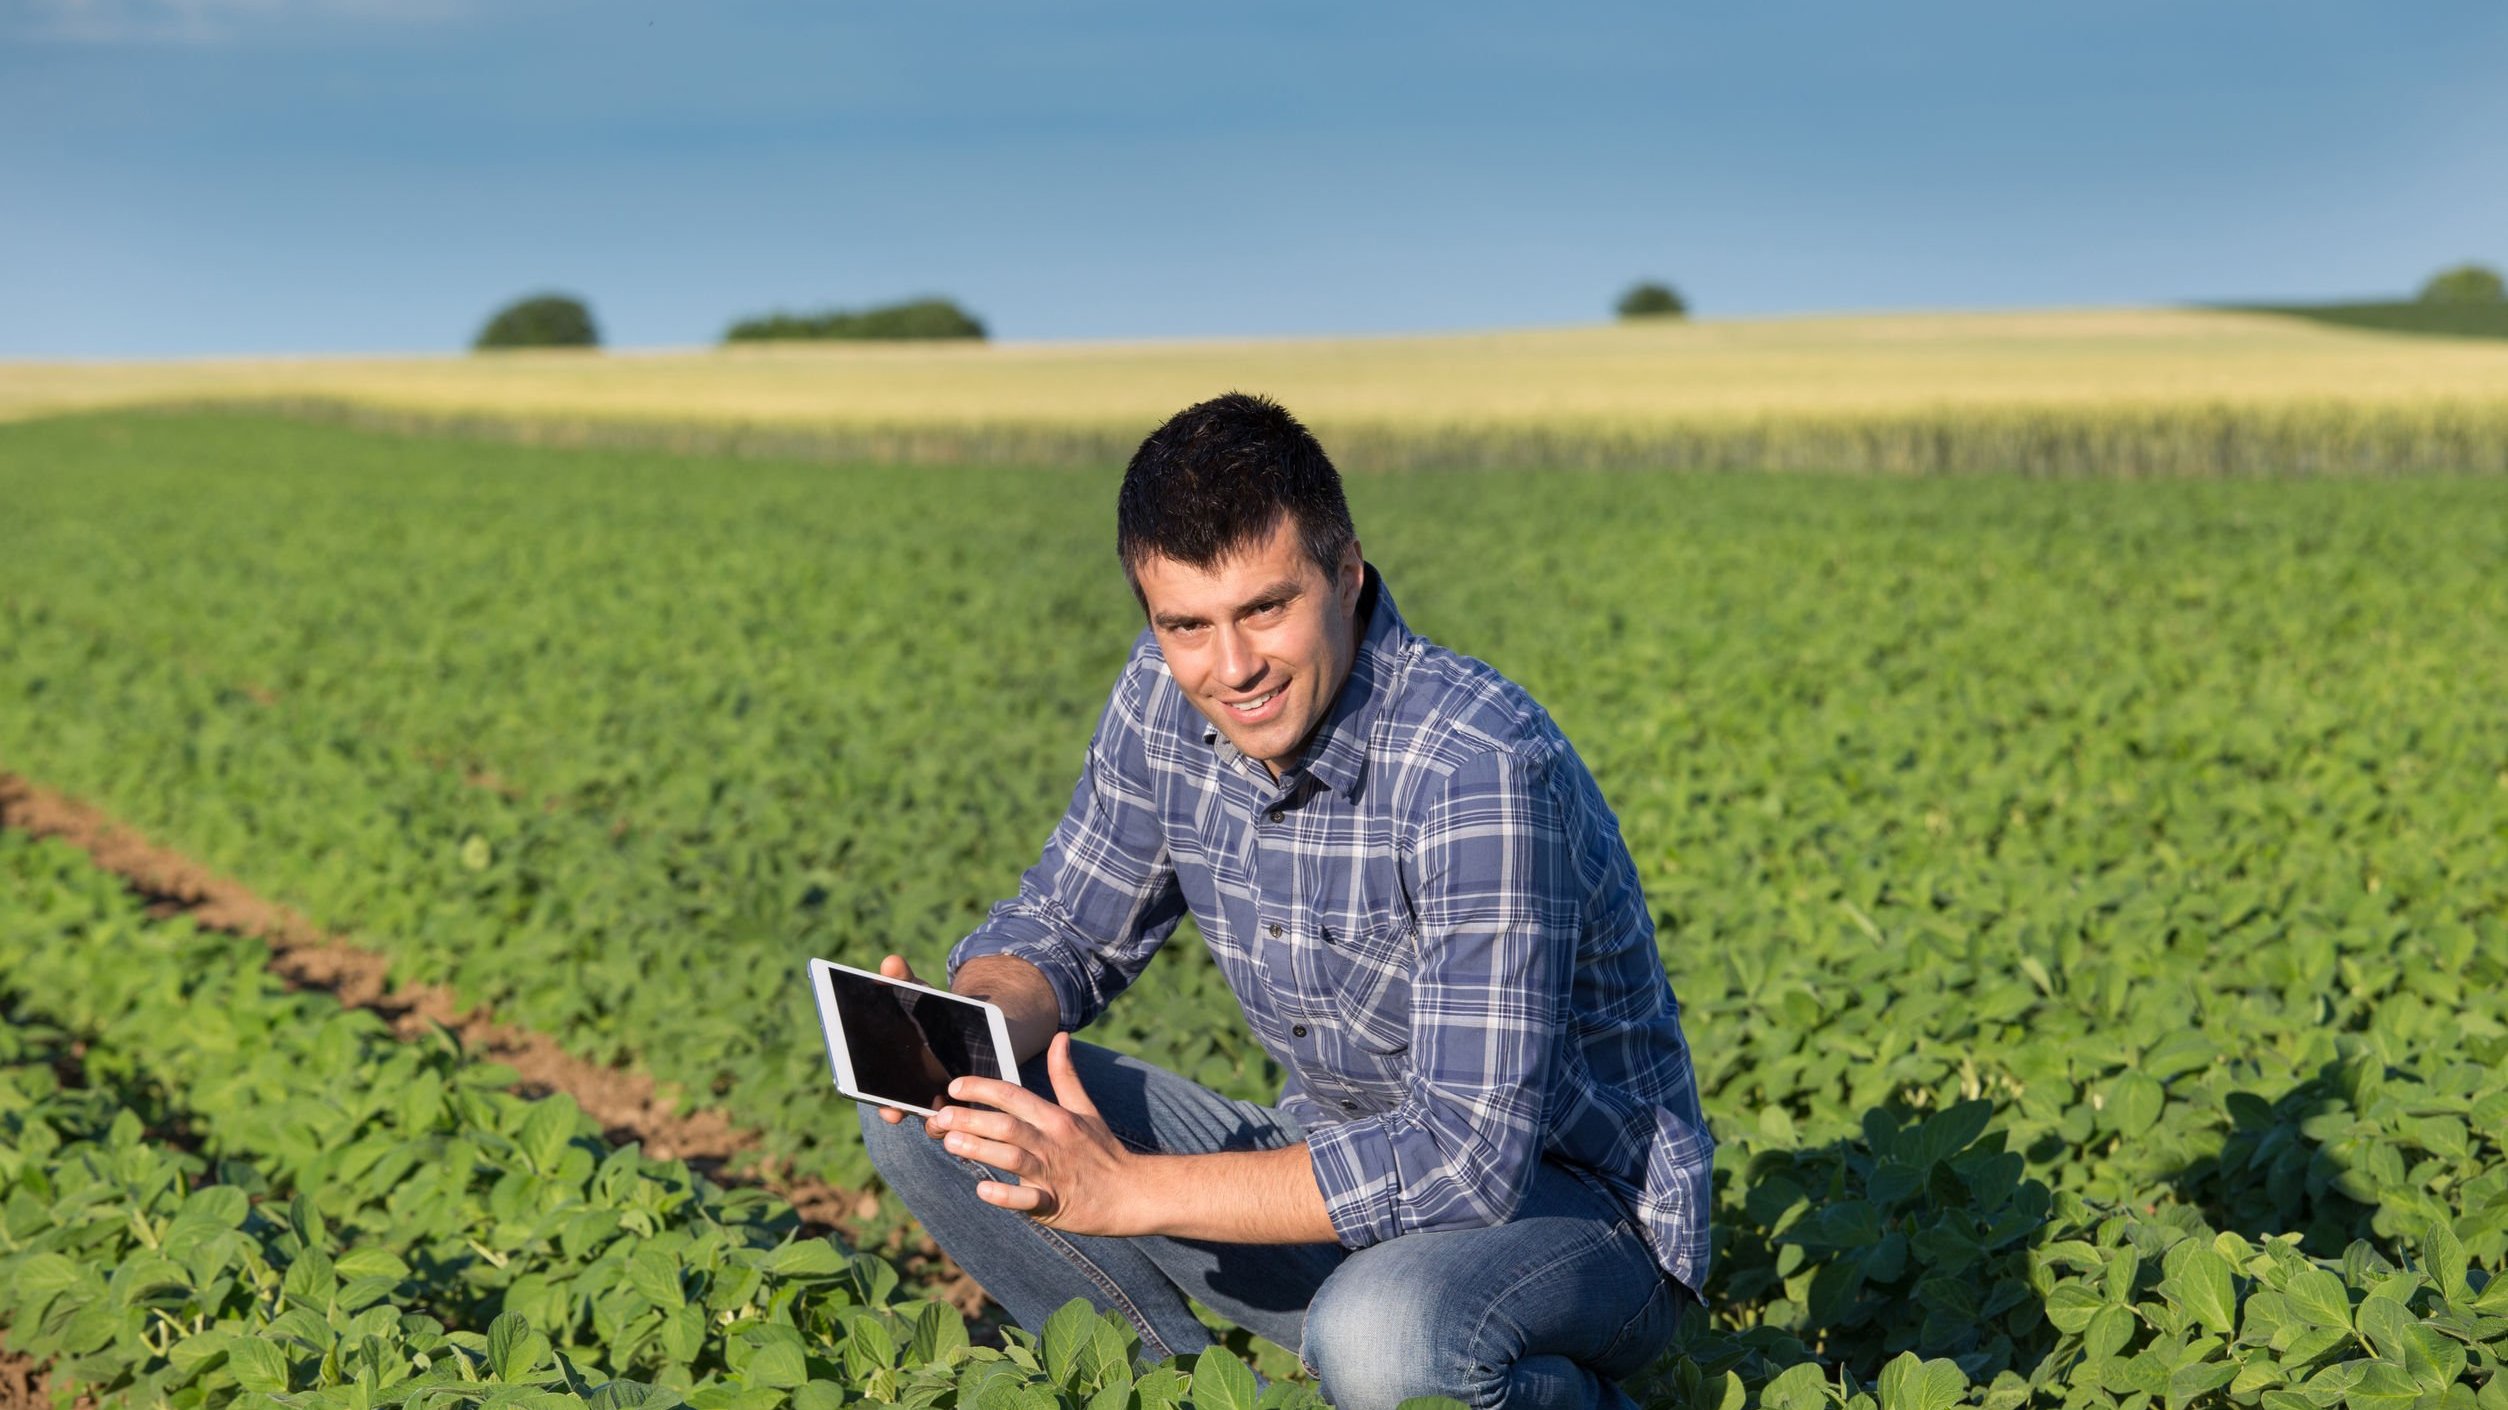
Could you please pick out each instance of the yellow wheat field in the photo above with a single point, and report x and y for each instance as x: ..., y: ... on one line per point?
x: 2140, y: 390
x: 1614, y: 375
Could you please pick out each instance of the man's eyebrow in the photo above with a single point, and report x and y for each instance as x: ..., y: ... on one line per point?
x: 1285, y: 590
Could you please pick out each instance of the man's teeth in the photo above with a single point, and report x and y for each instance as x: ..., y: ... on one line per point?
x: 1250, y: 706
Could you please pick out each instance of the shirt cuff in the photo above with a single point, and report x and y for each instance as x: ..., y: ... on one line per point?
x: 1354, y: 1167
x: 1051, y: 960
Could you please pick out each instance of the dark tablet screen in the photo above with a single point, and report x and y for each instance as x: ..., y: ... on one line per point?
x: 906, y: 1044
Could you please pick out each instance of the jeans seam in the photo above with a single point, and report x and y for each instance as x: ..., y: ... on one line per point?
x: 1572, y: 1252
x: 1663, y: 1287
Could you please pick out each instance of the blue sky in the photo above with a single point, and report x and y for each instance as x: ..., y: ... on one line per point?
x: 183, y: 177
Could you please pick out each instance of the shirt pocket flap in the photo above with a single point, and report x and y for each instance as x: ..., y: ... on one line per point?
x: 1371, y: 977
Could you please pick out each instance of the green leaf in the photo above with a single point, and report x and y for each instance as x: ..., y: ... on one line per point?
x: 2122, y: 1269
x: 807, y: 1258
x: 2071, y: 1306
x: 2382, y: 1386
x: 40, y: 1277
x: 2188, y: 1384
x: 547, y: 1131
x: 2133, y: 1103
x: 2201, y: 1282
x: 654, y: 1272
x: 1802, y: 1386
x: 258, y: 1365
x: 1104, y: 1357
x: 371, y: 1261
x: 1161, y: 1388
x: 779, y: 1364
x: 515, y: 1351
x: 2387, y: 1327
x: 818, y: 1395
x: 1066, y: 1333
x: 939, y: 1331
x: 1908, y: 1383
x: 632, y: 1395
x: 1222, y: 1382
x: 2318, y: 1295
x: 2110, y: 1329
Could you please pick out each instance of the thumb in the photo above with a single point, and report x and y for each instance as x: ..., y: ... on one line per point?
x: 1066, y: 1078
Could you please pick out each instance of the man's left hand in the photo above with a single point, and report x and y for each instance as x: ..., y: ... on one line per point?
x: 1073, y: 1174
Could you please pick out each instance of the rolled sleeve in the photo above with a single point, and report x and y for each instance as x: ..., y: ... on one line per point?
x: 1103, y: 897
x: 1495, y: 890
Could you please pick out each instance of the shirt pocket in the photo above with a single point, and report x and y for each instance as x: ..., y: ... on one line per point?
x: 1370, y: 972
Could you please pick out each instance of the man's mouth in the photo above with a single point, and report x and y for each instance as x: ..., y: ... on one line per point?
x: 1256, y: 707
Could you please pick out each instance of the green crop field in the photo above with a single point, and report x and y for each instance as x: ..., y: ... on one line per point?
x: 2089, y: 899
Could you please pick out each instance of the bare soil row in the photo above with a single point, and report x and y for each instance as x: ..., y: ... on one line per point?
x: 630, y: 1104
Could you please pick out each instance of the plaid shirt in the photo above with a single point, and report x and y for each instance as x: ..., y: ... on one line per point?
x: 1430, y: 921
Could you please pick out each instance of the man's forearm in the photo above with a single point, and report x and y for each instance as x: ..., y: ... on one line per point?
x: 1028, y: 1006
x: 1236, y: 1197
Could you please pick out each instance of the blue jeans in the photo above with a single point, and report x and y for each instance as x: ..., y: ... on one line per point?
x: 1548, y: 1309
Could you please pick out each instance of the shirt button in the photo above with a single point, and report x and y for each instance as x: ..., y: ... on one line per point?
x: 1298, y: 1031
x: 1274, y: 815
x: 1275, y: 930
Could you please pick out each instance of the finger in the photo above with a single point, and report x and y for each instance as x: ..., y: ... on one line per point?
x: 1001, y: 1155
x: 1033, y: 1200
x: 895, y: 967
x: 891, y: 1115
x: 1066, y: 1078
x: 1004, y: 1096
x: 988, y: 1125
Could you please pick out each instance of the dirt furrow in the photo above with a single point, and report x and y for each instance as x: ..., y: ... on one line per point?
x: 26, y: 1384
x: 630, y: 1105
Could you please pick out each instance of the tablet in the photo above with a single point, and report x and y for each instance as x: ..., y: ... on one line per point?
x: 899, y: 1044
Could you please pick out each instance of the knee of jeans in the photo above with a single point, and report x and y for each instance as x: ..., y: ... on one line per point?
x: 897, y: 1149
x: 1378, y: 1336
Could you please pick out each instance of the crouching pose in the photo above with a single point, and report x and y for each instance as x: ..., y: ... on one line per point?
x: 1487, y: 1176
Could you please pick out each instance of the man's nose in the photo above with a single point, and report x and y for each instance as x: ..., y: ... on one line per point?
x: 1239, y: 663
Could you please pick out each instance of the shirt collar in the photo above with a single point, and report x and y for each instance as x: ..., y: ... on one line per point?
x: 1337, y: 753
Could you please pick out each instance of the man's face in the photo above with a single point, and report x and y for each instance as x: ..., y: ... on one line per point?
x: 1261, y: 642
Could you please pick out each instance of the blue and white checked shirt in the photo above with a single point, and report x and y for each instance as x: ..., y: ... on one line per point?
x: 1430, y: 921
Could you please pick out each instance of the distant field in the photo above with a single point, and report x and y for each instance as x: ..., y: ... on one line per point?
x: 2445, y: 320
x: 2119, y: 391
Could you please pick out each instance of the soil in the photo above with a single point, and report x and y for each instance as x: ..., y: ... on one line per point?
x: 26, y: 1384
x: 630, y: 1105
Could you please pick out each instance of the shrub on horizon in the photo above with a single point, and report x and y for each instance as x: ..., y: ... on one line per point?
x: 2465, y: 284
x: 539, y: 321
x: 1651, y: 299
x: 915, y: 318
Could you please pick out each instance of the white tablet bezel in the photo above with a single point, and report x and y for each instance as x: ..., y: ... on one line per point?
x: 840, y: 1055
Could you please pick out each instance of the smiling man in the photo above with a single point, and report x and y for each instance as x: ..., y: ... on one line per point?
x: 1487, y: 1177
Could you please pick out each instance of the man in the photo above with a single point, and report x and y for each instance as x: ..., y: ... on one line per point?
x: 1488, y: 1176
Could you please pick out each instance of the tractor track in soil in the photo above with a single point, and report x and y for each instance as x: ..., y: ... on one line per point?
x: 630, y: 1105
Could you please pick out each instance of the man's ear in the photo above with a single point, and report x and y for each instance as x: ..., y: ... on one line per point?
x: 1353, y: 577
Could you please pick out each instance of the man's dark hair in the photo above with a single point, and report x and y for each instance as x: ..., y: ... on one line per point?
x: 1214, y: 480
